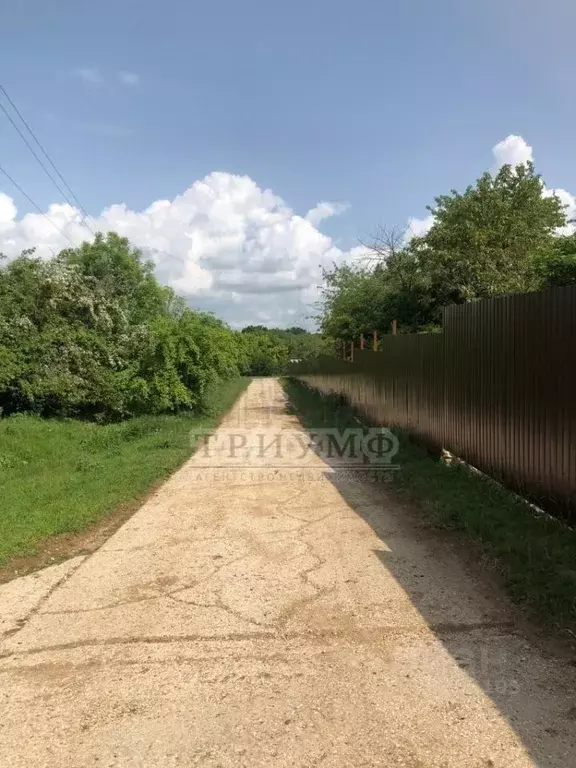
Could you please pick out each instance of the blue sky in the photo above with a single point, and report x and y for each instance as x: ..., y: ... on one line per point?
x: 380, y: 105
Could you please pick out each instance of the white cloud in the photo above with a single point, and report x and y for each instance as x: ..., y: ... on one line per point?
x: 128, y: 78
x: 419, y: 227
x: 225, y: 244
x: 7, y: 212
x: 512, y: 150
x: 90, y: 75
x: 325, y: 211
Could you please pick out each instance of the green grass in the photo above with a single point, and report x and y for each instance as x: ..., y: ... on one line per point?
x: 535, y: 553
x: 59, y: 476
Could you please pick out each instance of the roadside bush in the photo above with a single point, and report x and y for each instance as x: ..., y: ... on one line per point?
x: 92, y: 334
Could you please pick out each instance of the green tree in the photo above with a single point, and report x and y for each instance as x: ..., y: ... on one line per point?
x: 255, y: 329
x: 488, y: 240
x: 353, y: 302
x: 265, y: 353
x: 122, y: 274
x: 361, y: 299
x: 268, y: 350
x: 66, y: 341
x: 92, y: 334
x: 558, y: 266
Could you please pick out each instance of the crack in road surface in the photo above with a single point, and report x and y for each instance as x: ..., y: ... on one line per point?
x: 287, y: 620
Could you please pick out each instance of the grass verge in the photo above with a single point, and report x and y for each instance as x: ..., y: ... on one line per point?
x: 60, y: 476
x: 535, y: 553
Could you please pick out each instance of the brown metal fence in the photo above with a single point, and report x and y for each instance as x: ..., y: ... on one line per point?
x: 497, y: 388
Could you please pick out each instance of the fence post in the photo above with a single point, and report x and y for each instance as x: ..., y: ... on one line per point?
x: 361, y: 341
x: 375, y: 341
x: 394, y: 327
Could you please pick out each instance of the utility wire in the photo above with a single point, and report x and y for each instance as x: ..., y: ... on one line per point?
x: 86, y: 216
x: 27, y: 196
x: 40, y: 162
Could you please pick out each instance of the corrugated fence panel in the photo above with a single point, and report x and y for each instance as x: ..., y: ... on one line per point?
x: 497, y: 388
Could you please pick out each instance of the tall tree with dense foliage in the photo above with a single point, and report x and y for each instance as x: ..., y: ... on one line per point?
x: 558, y: 266
x: 123, y: 274
x: 488, y: 240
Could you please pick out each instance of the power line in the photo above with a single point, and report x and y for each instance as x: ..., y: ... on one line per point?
x: 46, y: 171
x: 86, y: 216
x: 27, y: 196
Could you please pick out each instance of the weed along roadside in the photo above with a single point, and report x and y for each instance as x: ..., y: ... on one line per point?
x: 67, y: 484
x: 535, y: 553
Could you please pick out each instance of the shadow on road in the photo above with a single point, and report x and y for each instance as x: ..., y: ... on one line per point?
x: 529, y: 677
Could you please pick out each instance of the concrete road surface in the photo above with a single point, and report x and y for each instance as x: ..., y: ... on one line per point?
x: 273, y: 611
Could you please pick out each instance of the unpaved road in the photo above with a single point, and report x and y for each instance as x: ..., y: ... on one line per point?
x: 274, y: 617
